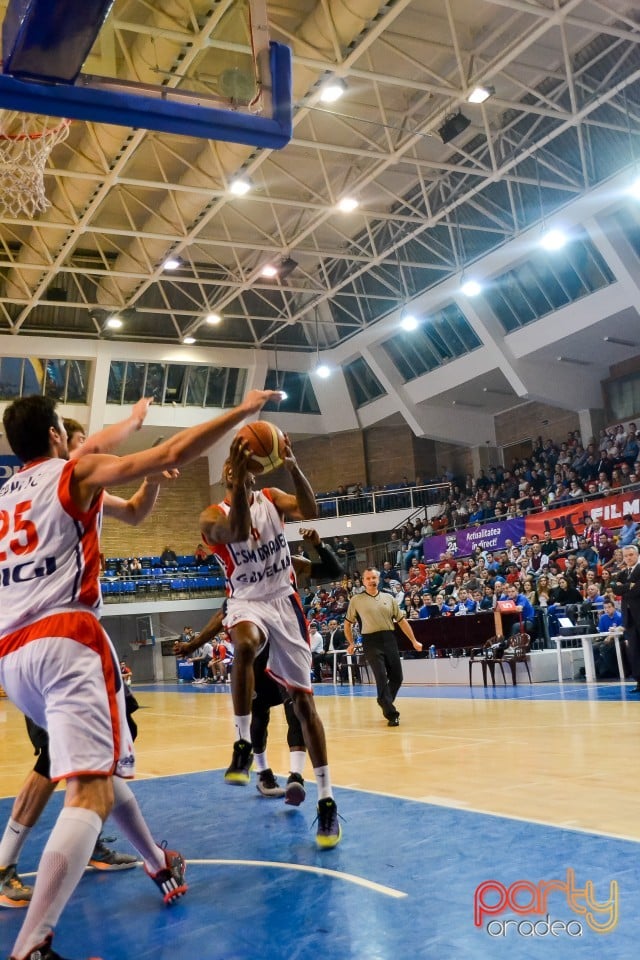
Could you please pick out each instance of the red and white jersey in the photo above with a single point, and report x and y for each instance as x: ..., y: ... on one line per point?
x: 258, y: 568
x: 49, y: 549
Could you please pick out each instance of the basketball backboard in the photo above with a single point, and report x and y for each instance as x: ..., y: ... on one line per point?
x: 233, y: 84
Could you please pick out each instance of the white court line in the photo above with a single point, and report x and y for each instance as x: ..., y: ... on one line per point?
x: 300, y: 867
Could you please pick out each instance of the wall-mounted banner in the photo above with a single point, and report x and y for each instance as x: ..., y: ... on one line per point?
x: 494, y: 534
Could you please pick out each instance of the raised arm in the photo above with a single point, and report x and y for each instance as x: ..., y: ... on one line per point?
x: 138, y: 507
x: 301, y: 505
x: 94, y: 472
x: 216, y: 526
x: 105, y: 441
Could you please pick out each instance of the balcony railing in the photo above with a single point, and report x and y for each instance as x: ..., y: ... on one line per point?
x: 410, y: 499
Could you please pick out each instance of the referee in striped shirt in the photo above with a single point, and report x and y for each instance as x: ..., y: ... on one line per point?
x: 377, y: 613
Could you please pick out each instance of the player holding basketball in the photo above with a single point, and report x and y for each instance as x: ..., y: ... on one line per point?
x: 245, y: 532
x: 56, y: 662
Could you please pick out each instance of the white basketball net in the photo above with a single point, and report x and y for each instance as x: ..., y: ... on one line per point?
x: 26, y: 141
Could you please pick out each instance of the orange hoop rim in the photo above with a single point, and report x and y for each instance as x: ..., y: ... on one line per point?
x: 47, y: 132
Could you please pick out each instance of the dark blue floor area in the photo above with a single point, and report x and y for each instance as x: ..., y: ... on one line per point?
x: 401, y: 884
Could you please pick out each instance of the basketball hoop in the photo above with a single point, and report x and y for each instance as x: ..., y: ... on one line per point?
x: 26, y: 140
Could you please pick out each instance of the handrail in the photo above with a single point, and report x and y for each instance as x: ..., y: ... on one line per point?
x: 415, y: 499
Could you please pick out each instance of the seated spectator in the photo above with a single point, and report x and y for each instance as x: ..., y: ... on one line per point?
x: 201, y: 555
x: 604, y: 651
x: 628, y: 533
x: 528, y: 589
x: 417, y: 573
x: 429, y: 607
x: 388, y: 573
x: 126, y: 673
x: 412, y: 608
x: 586, y: 551
x: 464, y: 604
x: 543, y: 589
x: 487, y: 600
x: 606, y: 548
x: 524, y: 608
x: 317, y: 650
x: 593, y: 599
x: 221, y: 660
x: 565, y: 593
x: 569, y: 542
x: 414, y: 551
x: 201, y: 659
x: 135, y: 567
x: 168, y: 557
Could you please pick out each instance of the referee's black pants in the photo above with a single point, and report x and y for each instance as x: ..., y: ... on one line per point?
x: 381, y: 653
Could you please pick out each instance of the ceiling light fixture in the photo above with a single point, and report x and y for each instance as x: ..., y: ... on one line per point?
x: 240, y: 186
x: 323, y: 371
x: 471, y: 288
x: 554, y: 239
x: 620, y: 342
x: 114, y: 322
x: 172, y: 263
x: 348, y: 204
x: 453, y: 126
x: 188, y: 340
x: 634, y: 189
x: 575, y: 361
x: 409, y: 323
x: 480, y: 93
x: 332, y: 90
x: 213, y: 319
x: 269, y: 271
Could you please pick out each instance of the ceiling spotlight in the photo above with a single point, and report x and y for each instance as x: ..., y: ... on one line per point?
x: 269, y: 271
x: 171, y: 264
x: 240, y: 186
x: 348, y: 204
x: 620, y: 342
x: 332, y: 90
x: 575, y: 361
x: 283, y: 395
x: 323, y: 371
x: 553, y: 240
x: 286, y: 266
x: 471, y: 288
x: 409, y: 323
x: 213, y: 319
x: 634, y: 189
x: 453, y: 126
x: 114, y: 322
x: 480, y: 93
x: 188, y: 340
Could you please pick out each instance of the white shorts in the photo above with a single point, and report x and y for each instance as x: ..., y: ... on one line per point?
x: 63, y: 673
x: 282, y: 622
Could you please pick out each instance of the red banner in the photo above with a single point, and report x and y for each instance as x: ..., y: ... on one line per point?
x: 610, y: 510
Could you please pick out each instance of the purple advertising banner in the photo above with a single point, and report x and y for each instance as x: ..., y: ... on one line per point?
x: 490, y: 536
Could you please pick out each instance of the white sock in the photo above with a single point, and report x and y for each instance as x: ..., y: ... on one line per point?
x: 63, y: 862
x: 323, y: 782
x: 243, y: 727
x: 13, y: 840
x: 260, y: 762
x: 128, y: 815
x: 297, y: 760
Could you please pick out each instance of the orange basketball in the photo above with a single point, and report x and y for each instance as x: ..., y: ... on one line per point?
x: 267, y: 445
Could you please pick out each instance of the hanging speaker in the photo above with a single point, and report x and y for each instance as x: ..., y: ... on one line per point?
x: 453, y: 126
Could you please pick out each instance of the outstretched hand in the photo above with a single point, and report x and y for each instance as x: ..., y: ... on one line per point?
x: 140, y: 411
x: 256, y: 399
x: 309, y: 535
x: 288, y: 459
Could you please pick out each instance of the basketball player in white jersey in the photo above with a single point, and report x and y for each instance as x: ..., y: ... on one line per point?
x: 56, y: 662
x: 38, y: 787
x: 245, y: 532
